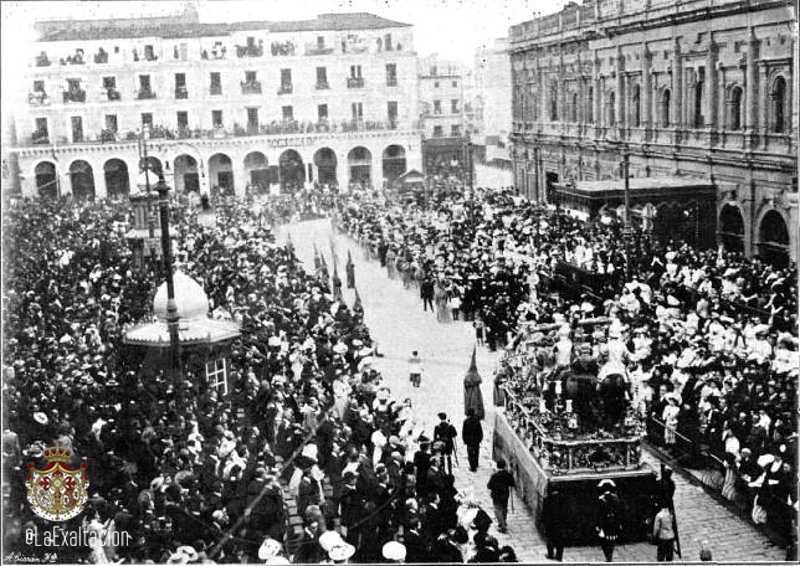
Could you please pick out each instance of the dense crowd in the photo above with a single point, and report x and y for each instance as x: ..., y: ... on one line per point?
x: 191, y: 473
x: 708, y: 338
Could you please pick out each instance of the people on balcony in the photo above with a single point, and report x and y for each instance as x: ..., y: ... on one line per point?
x: 42, y: 60
x: 101, y: 56
x: 113, y: 94
x: 282, y: 48
x: 38, y: 97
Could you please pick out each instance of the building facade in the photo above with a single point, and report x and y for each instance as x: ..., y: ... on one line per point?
x: 492, y: 99
x: 332, y: 99
x: 687, y: 88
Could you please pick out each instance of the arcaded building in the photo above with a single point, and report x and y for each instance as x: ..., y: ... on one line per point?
x: 333, y: 99
x: 699, y: 94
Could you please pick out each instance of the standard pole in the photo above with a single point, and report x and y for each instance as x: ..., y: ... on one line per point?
x: 627, y: 227
x: 172, y: 307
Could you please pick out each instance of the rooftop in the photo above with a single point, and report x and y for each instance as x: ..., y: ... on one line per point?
x: 183, y: 27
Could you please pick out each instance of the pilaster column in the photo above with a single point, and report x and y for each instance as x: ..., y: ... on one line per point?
x: 751, y: 83
x: 677, y: 86
x: 619, y: 111
x: 598, y: 92
x: 763, y: 102
x: 711, y: 86
x: 647, y: 91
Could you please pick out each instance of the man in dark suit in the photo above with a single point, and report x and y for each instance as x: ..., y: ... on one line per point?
x: 422, y: 464
x: 446, y: 433
x: 472, y: 433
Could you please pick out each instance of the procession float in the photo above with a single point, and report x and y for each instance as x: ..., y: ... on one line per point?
x: 565, y: 422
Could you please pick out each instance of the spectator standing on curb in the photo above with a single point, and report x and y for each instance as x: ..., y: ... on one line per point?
x: 500, y: 485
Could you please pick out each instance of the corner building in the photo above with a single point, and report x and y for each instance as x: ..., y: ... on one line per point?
x: 329, y: 99
x: 694, y: 89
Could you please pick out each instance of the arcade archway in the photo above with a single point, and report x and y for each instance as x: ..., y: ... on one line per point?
x: 394, y: 162
x: 773, y: 245
x: 81, y: 177
x: 325, y: 160
x: 731, y: 228
x: 257, y: 169
x: 359, y: 160
x: 291, y: 169
x: 153, y: 164
x: 220, y: 173
x: 118, y: 183
x: 187, y: 178
x: 46, y: 180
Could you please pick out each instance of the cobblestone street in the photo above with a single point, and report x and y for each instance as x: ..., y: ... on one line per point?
x: 396, y: 319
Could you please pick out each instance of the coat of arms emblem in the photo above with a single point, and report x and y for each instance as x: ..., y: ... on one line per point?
x: 58, y: 492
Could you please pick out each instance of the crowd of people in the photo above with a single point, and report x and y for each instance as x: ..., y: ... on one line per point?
x: 191, y: 472
x: 708, y: 337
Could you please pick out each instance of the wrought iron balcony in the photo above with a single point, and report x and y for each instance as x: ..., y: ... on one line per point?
x: 181, y: 93
x: 76, y: 95
x: 322, y: 85
x: 285, y: 89
x: 251, y: 87
x: 38, y: 98
x: 355, y: 82
x: 215, y: 89
x: 113, y: 94
x: 145, y: 94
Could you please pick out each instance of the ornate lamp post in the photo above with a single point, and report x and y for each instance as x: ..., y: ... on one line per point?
x: 173, y: 319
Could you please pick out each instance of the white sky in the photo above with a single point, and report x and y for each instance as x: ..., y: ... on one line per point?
x: 452, y: 28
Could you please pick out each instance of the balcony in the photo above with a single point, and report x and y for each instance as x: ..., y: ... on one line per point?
x: 253, y: 87
x: 147, y: 94
x: 322, y: 85
x: 391, y: 81
x: 42, y: 60
x: 215, y: 90
x: 40, y: 137
x: 181, y: 93
x: 282, y: 48
x: 75, y: 95
x: 113, y: 94
x: 285, y: 89
x: 355, y: 82
x: 249, y: 51
x: 38, y: 98
x: 101, y: 57
x: 76, y: 59
x: 316, y: 49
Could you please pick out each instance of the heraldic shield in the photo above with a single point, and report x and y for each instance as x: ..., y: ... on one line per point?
x: 58, y: 492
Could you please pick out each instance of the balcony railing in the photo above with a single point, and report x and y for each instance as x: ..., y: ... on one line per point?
x: 40, y: 137
x: 42, y: 60
x: 285, y: 89
x: 249, y: 51
x: 322, y: 85
x: 282, y: 48
x: 77, y: 95
x: 316, y: 49
x: 391, y: 82
x: 38, y: 98
x: 251, y: 87
x: 145, y: 94
x: 101, y: 57
x: 113, y: 94
x: 181, y: 93
x: 215, y: 89
x: 355, y: 82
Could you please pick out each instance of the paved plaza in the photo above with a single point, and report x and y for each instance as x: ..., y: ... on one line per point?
x: 396, y: 320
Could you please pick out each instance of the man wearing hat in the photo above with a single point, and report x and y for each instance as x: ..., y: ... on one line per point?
x: 608, y: 525
x: 446, y: 433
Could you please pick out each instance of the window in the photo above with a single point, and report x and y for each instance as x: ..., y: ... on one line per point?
x: 455, y: 131
x: 553, y: 96
x: 111, y: 122
x: 147, y: 119
x: 77, y: 129
x: 437, y: 131
x: 322, y: 78
x: 433, y: 72
x: 455, y: 84
x: 320, y: 42
x: 216, y: 374
x: 109, y: 82
x: 698, y: 121
x: 391, y: 74
x: 590, y: 105
x: 216, y: 83
x: 249, y: 77
x: 573, y: 107
x: 180, y: 86
x: 149, y: 53
x: 322, y: 111
x: 252, y: 120
x: 735, y: 109
x: 778, y: 96
x: 437, y: 106
x: 664, y: 108
x: 73, y: 84
x: 391, y: 110
x: 41, y: 125
x: 144, y: 83
x: 387, y: 41
x: 216, y: 118
x: 358, y: 111
x: 183, y: 120
x: 355, y: 71
x: 38, y: 86
x: 286, y: 78
x: 611, y: 109
x: 454, y: 106
x: 288, y: 113
x: 435, y: 84
x: 636, y: 107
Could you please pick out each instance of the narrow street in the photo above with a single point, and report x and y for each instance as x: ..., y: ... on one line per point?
x: 396, y: 320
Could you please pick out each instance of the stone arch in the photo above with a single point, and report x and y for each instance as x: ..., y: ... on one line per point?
x: 46, y: 175
x: 220, y: 173
x: 731, y: 227
x: 325, y: 161
x: 187, y: 178
x: 256, y: 168
x: 153, y: 164
x: 291, y: 169
x: 773, y: 238
x: 359, y: 160
x: 81, y: 177
x: 117, y: 178
x: 394, y: 162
